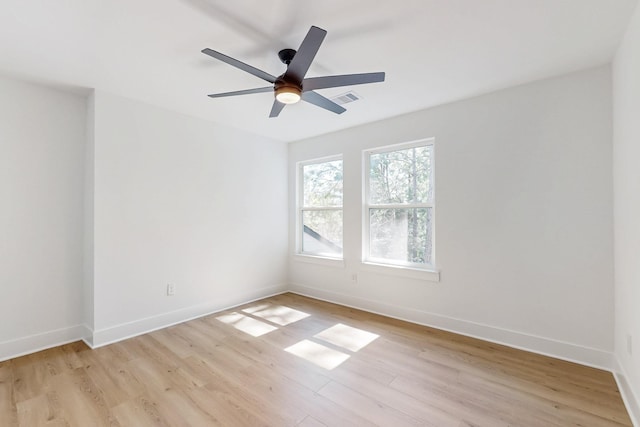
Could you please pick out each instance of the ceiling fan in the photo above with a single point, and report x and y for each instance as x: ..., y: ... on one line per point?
x: 292, y: 86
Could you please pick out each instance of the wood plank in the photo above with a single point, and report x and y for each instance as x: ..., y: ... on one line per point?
x: 8, y: 409
x: 80, y: 400
x: 208, y: 372
x: 371, y: 409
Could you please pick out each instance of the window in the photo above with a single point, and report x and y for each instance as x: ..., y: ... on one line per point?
x: 399, y: 205
x: 320, y: 208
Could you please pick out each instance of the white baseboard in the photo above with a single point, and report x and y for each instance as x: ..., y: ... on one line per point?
x: 42, y: 341
x: 123, y: 331
x: 561, y: 350
x: 87, y: 336
x: 631, y: 399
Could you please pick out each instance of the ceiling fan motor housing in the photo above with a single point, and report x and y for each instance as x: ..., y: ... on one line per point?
x: 287, y: 92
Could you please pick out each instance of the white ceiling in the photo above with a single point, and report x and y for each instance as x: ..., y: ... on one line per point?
x: 433, y: 51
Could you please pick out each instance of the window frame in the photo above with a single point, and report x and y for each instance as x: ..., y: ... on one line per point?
x: 367, y: 206
x: 300, y: 208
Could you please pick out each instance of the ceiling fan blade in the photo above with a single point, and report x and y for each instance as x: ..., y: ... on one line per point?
x: 277, y: 108
x: 313, y: 83
x: 242, y: 92
x: 304, y: 56
x: 239, y: 64
x: 316, y: 99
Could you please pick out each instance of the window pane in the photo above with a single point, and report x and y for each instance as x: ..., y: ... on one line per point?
x: 403, y: 176
x: 403, y: 235
x: 322, y: 232
x: 322, y: 184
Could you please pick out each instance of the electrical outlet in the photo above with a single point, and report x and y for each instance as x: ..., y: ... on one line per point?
x: 171, y: 289
x: 629, y: 345
x: 354, y: 277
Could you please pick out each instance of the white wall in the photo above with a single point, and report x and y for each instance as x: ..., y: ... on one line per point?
x: 89, y: 169
x: 105, y: 201
x: 184, y: 201
x: 626, y: 189
x: 42, y: 134
x: 524, y: 218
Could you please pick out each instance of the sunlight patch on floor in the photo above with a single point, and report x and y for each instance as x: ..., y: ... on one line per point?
x: 317, y: 354
x: 348, y: 337
x: 278, y: 314
x: 246, y: 324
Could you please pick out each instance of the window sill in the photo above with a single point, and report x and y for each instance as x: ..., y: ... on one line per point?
x: 399, y: 271
x: 320, y: 260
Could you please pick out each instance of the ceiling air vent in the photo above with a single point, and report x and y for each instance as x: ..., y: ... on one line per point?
x: 345, y: 98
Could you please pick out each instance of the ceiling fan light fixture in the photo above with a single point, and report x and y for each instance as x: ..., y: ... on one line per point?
x: 288, y: 94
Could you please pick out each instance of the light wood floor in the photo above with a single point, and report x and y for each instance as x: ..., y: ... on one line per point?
x: 310, y: 363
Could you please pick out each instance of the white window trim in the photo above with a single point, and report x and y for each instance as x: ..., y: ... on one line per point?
x: 318, y: 259
x: 428, y: 274
x: 299, y: 254
x: 422, y: 271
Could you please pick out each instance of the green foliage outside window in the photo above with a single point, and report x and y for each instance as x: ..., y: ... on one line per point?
x: 397, y: 179
x: 322, y: 194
